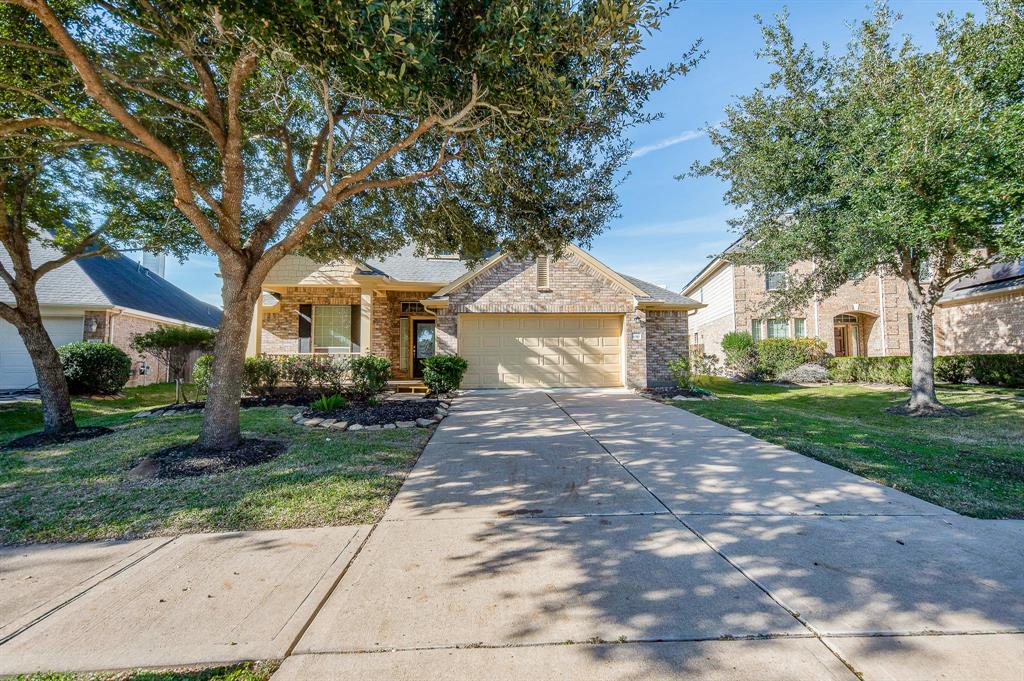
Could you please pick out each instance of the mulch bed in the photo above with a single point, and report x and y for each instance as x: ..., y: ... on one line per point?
x: 45, y: 439
x: 191, y: 460
x: 666, y: 394
x: 388, y: 411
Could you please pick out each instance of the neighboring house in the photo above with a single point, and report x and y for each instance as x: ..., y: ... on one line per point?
x: 983, y: 313
x: 570, y: 322
x: 870, y: 316
x: 106, y: 299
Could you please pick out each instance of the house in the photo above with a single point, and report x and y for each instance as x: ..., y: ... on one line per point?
x: 983, y: 313
x: 544, y: 322
x: 868, y: 316
x: 106, y: 299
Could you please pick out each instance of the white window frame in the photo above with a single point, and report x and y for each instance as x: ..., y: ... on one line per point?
x: 768, y: 327
x: 330, y: 349
x: 768, y: 274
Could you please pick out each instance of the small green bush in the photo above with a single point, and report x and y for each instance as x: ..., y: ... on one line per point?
x: 679, y: 369
x: 94, y: 368
x: 306, y: 372
x: 328, y: 403
x: 776, y: 356
x: 952, y: 368
x: 202, y: 373
x: 259, y: 375
x: 443, y: 373
x: 740, y: 351
x: 1002, y: 370
x: 369, y: 376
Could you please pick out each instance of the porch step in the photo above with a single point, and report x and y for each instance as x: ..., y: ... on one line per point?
x: 409, y: 387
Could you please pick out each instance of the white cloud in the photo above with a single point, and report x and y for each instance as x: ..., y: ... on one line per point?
x: 684, y: 136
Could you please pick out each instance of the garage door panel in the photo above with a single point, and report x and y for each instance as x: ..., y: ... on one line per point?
x: 531, y: 350
x: 16, y: 371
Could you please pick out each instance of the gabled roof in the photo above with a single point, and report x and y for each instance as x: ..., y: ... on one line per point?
x: 715, y: 263
x: 645, y: 292
x: 113, y: 281
x: 995, y: 279
x: 405, y: 265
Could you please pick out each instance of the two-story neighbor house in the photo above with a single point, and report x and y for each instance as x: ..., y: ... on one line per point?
x: 870, y: 316
x: 545, y: 322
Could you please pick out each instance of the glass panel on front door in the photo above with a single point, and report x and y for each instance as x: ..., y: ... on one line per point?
x: 423, y: 337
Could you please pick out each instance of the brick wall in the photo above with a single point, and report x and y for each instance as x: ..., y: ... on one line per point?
x: 665, y: 341
x: 124, y: 327
x: 280, y: 332
x: 863, y: 298
x: 989, y: 326
x: 710, y: 335
x: 387, y: 312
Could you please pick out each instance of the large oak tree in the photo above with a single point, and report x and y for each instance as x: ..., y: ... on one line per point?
x: 883, y: 158
x: 353, y: 127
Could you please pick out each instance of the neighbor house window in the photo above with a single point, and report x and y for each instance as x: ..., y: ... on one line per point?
x: 774, y: 279
x: 799, y: 328
x: 755, y: 329
x: 778, y: 328
x: 332, y: 328
x: 543, y: 267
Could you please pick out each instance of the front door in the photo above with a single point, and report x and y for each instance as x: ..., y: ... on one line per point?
x: 842, y: 341
x: 423, y: 337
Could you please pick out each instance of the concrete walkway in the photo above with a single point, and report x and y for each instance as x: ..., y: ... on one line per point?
x: 564, y: 535
x: 572, y: 535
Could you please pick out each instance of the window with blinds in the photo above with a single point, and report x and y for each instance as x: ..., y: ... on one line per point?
x: 332, y: 328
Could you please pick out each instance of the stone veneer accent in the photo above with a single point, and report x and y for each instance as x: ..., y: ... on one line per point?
x: 510, y: 287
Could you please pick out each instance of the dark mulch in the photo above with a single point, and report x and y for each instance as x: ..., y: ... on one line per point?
x: 387, y: 411
x: 670, y: 392
x: 942, y: 412
x: 277, y: 400
x: 191, y: 460
x: 45, y: 439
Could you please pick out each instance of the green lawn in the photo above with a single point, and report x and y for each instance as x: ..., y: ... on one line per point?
x: 973, y: 465
x: 247, y: 671
x: 80, y: 491
x: 19, y: 418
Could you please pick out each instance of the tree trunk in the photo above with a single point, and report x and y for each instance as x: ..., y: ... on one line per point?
x: 53, y: 388
x: 922, y: 385
x: 223, y: 399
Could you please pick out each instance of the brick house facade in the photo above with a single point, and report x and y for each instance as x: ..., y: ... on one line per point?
x: 578, y: 323
x: 868, y: 317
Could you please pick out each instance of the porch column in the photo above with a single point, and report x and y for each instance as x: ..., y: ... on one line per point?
x: 252, y: 348
x: 365, y: 319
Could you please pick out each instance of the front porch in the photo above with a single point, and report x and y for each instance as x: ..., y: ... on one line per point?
x: 348, y: 321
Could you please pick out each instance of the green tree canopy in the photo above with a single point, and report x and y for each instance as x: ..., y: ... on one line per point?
x: 884, y: 158
x: 354, y: 127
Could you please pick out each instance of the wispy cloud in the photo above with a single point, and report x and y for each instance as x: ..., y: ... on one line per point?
x: 684, y: 136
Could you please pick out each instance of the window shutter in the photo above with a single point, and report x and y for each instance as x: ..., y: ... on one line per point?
x: 305, y: 328
x: 543, y: 262
x: 357, y: 326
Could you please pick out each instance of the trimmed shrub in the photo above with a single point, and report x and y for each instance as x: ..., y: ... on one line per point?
x: 260, y: 375
x: 443, y: 373
x: 778, y: 355
x: 369, y: 376
x: 306, y: 372
x: 202, y: 373
x: 811, y: 372
x: 94, y: 368
x: 740, y: 351
x: 1002, y: 370
x: 680, y: 370
x: 893, y: 370
x: 953, y: 368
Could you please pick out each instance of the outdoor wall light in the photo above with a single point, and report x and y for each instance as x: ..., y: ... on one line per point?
x: 91, y: 325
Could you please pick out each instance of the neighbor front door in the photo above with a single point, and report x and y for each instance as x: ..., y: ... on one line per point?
x: 423, y: 332
x: 841, y: 338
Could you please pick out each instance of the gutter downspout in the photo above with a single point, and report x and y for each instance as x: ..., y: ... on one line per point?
x: 881, y: 315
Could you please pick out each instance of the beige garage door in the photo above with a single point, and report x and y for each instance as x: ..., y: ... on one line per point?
x: 541, y: 351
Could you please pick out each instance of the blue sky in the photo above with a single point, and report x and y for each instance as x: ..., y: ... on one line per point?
x: 669, y: 227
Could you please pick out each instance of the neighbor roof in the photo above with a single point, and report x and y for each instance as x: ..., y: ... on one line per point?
x: 734, y: 247
x: 113, y: 281
x: 405, y: 265
x: 659, y: 294
x: 1007, y: 275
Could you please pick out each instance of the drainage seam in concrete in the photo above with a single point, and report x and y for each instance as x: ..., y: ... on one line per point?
x: 64, y: 604
x: 793, y: 613
x: 330, y: 592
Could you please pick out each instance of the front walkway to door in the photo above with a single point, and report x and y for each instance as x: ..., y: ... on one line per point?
x: 598, y: 535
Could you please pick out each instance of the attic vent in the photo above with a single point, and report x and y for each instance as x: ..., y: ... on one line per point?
x: 543, y: 267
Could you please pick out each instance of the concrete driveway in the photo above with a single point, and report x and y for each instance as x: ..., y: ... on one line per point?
x: 598, y: 535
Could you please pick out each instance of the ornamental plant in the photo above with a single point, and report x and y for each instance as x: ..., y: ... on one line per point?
x: 443, y: 373
x: 94, y: 368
